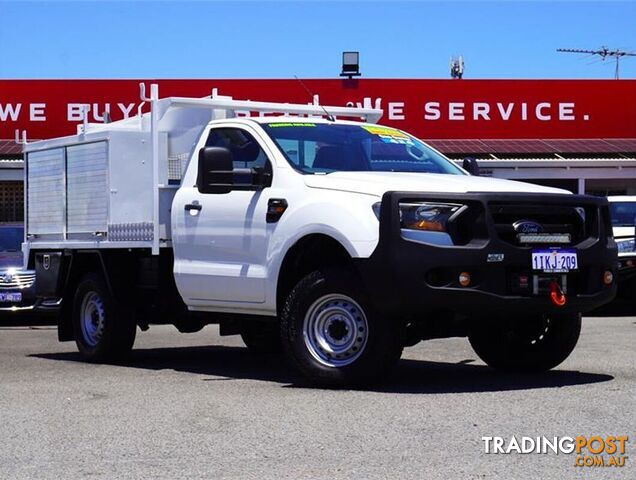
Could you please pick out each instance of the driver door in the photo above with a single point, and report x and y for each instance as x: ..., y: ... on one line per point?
x: 221, y: 246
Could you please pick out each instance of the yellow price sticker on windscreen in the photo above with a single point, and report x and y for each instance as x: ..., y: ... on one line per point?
x: 386, y: 131
x: 389, y: 135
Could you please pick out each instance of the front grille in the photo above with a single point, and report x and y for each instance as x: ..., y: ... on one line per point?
x: 568, y: 221
x: 13, y: 280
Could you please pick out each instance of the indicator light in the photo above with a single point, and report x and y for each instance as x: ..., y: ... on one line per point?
x: 275, y: 209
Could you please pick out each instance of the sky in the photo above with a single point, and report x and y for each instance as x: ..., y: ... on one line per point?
x: 241, y: 39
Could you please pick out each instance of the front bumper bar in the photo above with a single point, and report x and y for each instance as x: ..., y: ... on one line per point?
x: 407, y: 277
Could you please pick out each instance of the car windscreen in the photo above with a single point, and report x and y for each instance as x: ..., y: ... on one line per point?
x: 11, y: 238
x: 333, y: 147
x: 623, y: 214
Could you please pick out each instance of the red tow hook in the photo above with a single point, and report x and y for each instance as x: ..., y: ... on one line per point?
x: 556, y: 295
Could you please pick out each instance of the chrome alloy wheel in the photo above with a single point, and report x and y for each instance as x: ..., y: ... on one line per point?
x: 335, y: 330
x: 92, y: 318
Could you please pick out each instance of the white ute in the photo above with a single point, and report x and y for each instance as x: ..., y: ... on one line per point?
x: 623, y: 215
x: 302, y: 227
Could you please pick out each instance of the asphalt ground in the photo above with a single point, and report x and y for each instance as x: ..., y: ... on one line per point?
x: 198, y: 405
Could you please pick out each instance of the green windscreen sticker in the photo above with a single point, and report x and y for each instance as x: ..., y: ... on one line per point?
x: 291, y: 124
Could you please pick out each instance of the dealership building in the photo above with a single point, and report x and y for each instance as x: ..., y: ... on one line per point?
x: 574, y: 134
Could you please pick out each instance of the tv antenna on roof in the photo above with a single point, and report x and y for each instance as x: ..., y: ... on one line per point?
x: 457, y: 67
x: 602, y: 52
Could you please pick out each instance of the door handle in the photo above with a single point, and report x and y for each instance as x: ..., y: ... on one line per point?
x: 193, y: 206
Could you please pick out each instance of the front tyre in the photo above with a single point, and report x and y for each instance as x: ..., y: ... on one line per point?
x: 104, y: 331
x: 532, y: 344
x: 332, y: 333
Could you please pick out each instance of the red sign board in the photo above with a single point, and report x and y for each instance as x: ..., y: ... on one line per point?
x: 431, y: 109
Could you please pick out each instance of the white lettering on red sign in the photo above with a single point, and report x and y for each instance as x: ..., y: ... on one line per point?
x: 482, y: 110
x: 566, y: 111
x: 74, y: 111
x: 539, y: 111
x: 432, y: 111
x: 505, y: 113
x: 456, y: 111
x: 126, y: 109
x: 396, y: 110
x: 477, y: 111
x: 36, y: 112
x: 10, y: 111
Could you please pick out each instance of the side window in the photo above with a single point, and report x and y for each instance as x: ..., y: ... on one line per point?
x: 291, y: 148
x: 246, y: 151
x: 301, y: 153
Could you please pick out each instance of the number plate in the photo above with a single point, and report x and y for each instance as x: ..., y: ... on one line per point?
x: 554, y: 261
x: 12, y: 297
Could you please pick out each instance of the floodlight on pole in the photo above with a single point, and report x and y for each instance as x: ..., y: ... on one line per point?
x: 350, y: 64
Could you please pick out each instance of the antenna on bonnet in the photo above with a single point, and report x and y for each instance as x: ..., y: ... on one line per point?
x: 313, y: 98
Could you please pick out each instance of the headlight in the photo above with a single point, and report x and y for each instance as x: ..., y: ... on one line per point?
x: 626, y: 246
x: 431, y: 217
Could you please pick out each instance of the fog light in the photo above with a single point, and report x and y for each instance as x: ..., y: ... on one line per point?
x: 608, y: 277
x: 464, y: 279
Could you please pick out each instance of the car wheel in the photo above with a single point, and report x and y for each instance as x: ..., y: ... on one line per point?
x: 532, y: 344
x: 333, y: 334
x: 103, y: 329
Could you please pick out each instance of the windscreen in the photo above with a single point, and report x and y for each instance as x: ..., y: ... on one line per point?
x: 623, y: 214
x: 332, y: 147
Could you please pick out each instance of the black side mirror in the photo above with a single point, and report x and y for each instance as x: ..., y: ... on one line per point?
x: 471, y: 166
x: 216, y: 170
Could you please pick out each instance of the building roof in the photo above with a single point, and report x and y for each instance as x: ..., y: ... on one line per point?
x: 9, y: 147
x: 533, y: 147
x: 536, y: 146
x: 10, y: 162
x: 534, y: 162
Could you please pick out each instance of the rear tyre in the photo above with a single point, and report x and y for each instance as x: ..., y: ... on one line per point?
x: 332, y: 333
x: 261, y: 337
x: 533, y: 344
x: 103, y: 329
